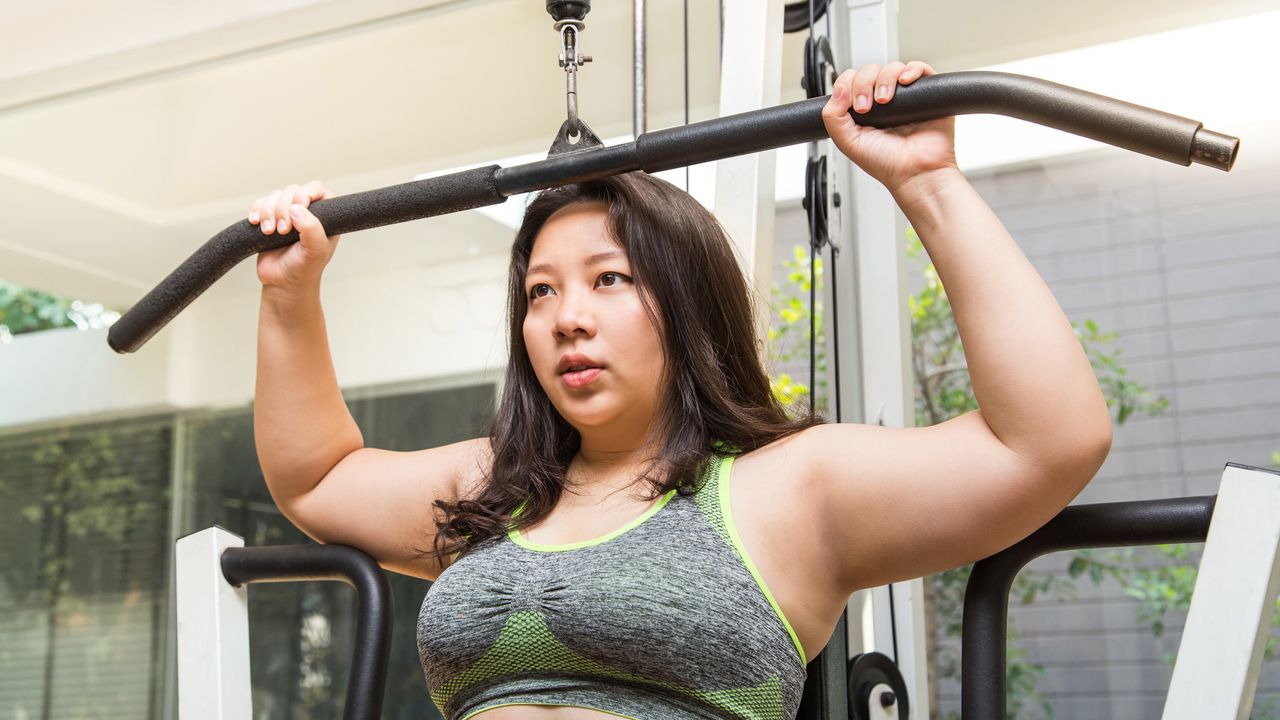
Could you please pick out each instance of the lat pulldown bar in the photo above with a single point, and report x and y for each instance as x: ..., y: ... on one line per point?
x: 1125, y: 125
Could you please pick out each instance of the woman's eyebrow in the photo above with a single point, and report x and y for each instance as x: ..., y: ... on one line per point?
x: 592, y: 260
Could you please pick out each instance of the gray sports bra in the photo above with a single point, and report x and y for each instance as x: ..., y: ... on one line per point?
x: 665, y: 618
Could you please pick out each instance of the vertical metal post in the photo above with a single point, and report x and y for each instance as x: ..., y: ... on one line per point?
x: 638, y: 64
x: 179, y: 520
x: 213, y: 630
x: 875, y: 366
x: 751, y: 78
x: 1220, y: 655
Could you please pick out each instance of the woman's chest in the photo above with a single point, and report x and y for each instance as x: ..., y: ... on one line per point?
x: 668, y: 600
x: 675, y: 594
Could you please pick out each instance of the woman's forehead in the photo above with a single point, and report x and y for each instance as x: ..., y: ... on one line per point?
x: 579, y: 229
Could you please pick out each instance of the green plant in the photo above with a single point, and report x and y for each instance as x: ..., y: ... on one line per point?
x: 789, y: 336
x: 24, y: 310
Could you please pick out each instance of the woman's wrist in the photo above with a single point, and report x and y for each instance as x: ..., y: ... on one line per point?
x: 918, y: 194
x: 289, y: 302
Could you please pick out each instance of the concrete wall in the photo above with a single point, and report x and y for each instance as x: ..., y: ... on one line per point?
x: 395, y: 326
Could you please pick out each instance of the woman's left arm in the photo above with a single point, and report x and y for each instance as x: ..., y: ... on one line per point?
x: 905, y: 502
x: 1029, y: 372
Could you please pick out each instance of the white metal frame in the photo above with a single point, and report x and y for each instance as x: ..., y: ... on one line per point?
x: 750, y: 79
x: 1220, y: 654
x: 876, y: 359
x: 213, y: 630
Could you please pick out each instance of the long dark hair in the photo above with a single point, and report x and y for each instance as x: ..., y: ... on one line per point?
x: 717, y: 395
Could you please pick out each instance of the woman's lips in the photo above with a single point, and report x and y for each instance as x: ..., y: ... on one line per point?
x: 581, y: 378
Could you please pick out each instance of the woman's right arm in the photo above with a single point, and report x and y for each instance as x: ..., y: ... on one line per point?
x: 312, y: 453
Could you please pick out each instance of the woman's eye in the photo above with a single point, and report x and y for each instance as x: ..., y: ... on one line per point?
x: 611, y: 279
x: 536, y: 291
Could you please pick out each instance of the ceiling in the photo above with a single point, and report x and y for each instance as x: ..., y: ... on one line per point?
x: 123, y: 149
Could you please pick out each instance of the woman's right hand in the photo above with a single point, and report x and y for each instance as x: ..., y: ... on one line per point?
x: 297, y: 267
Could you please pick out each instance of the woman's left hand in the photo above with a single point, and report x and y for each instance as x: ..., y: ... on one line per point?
x: 893, y: 156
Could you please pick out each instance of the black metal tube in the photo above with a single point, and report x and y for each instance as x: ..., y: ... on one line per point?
x: 986, y: 598
x: 290, y: 563
x: 1119, y: 123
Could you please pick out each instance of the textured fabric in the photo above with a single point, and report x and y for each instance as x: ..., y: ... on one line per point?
x: 663, y: 619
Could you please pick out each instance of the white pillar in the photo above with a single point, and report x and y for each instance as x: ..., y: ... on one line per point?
x: 876, y: 345
x: 213, y: 631
x: 1229, y: 621
x: 750, y: 79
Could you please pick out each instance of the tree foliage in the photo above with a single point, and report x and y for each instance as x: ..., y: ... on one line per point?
x: 24, y: 310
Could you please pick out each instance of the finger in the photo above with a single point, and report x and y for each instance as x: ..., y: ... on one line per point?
x: 844, y: 81
x: 835, y: 114
x: 300, y: 197
x: 255, y: 211
x: 310, y: 231
x: 283, y: 222
x: 863, y: 85
x: 268, y: 223
x: 314, y: 190
x: 887, y: 81
x: 915, y: 70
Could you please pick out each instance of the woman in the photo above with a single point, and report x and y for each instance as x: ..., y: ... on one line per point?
x: 645, y: 534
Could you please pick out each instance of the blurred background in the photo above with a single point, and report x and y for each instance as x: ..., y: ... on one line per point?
x: 132, y: 131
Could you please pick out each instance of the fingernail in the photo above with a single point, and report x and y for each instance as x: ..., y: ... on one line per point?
x: 280, y: 226
x: 253, y: 216
x: 267, y: 227
x: 882, y: 92
x: 861, y: 103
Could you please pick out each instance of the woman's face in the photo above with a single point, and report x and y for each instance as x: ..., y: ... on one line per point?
x: 590, y: 341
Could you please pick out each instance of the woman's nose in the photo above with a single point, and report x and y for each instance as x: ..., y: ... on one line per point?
x: 573, y: 315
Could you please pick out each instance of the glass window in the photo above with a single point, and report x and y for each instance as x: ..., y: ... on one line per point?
x: 84, y: 536
x: 301, y: 634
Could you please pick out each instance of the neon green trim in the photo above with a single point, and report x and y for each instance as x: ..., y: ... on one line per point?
x: 584, y: 707
x: 522, y: 541
x: 723, y: 480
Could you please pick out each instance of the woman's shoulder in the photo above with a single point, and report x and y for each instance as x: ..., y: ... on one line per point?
x: 788, y: 455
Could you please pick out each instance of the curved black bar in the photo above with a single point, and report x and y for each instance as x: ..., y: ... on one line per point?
x: 343, y: 214
x: 1119, y: 123
x: 289, y: 563
x: 986, y: 598
x: 1098, y: 117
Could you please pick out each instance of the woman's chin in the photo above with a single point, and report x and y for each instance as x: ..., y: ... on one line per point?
x: 589, y: 416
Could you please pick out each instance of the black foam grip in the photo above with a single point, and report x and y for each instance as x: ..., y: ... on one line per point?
x: 1115, y: 122
x: 1098, y: 117
x: 343, y: 214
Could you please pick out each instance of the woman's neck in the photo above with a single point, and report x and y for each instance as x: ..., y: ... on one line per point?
x: 598, y: 469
